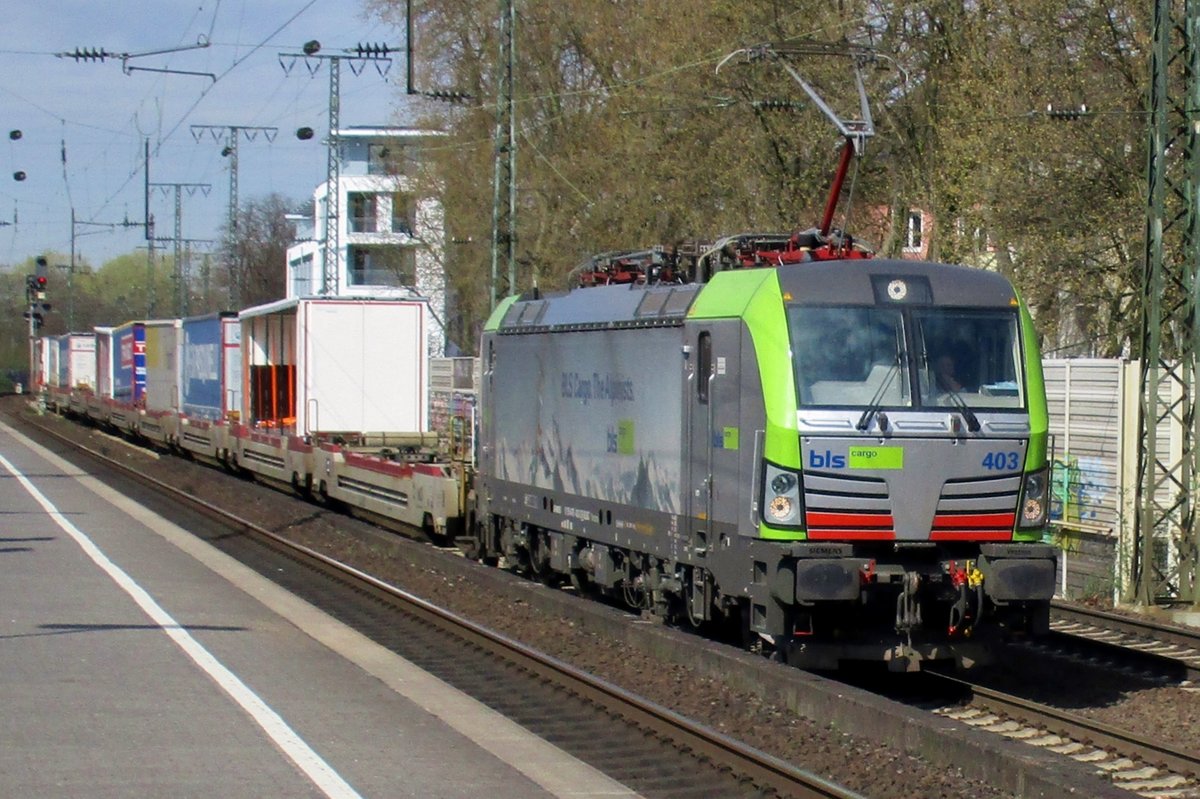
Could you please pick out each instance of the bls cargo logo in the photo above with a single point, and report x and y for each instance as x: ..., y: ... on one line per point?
x: 825, y: 460
x: 858, y: 457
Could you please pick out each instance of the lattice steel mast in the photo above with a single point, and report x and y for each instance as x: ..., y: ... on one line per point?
x: 230, y: 151
x: 504, y: 199
x: 1167, y: 541
x: 181, y: 265
x: 357, y: 58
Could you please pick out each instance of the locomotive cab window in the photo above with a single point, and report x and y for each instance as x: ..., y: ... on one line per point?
x: 872, y: 356
x: 849, y: 356
x: 971, y: 357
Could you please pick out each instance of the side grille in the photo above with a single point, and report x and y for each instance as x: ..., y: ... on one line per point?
x: 977, y: 509
x: 847, y: 508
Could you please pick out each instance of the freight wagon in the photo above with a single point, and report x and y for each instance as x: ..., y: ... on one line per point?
x: 210, y: 384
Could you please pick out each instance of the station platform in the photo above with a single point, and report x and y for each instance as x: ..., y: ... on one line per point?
x: 136, y: 660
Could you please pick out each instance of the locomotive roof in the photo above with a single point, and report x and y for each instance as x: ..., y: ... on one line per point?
x: 602, y: 306
x: 849, y: 282
x: 867, y: 282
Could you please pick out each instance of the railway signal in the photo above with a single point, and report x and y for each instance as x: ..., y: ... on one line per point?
x: 35, y: 288
x: 36, y: 320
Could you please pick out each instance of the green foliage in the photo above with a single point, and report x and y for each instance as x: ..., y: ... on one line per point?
x: 125, y: 288
x: 628, y: 136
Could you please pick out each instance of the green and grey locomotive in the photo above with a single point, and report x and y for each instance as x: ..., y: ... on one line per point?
x: 840, y: 459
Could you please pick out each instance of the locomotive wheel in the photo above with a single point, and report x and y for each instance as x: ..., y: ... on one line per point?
x: 539, y: 558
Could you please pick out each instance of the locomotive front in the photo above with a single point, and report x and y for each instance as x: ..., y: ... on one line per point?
x: 915, y: 471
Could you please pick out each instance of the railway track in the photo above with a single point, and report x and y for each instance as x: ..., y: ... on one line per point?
x: 1135, y: 763
x: 649, y: 748
x: 1176, y: 649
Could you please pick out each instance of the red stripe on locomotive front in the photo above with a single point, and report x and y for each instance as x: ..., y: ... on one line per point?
x: 946, y: 520
x: 835, y: 519
x: 971, y: 535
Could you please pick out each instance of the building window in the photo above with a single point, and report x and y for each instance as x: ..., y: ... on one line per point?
x: 912, y: 237
x: 383, y: 266
x: 403, y: 213
x: 302, y: 276
x: 379, y: 159
x: 362, y: 212
x: 390, y: 159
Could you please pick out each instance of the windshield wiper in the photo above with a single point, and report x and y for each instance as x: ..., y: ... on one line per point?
x: 968, y: 414
x: 877, y: 400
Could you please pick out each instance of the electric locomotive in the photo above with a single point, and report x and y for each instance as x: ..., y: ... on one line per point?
x: 838, y: 457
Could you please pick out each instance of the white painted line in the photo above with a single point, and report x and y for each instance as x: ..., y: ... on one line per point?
x: 292, y: 745
x: 557, y: 772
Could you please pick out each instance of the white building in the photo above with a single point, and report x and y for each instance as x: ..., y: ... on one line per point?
x: 391, y: 241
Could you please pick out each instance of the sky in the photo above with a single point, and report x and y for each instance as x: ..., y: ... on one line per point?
x: 98, y: 115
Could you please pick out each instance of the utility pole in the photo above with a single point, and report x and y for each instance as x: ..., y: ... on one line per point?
x: 70, y: 267
x: 230, y: 151
x: 504, y: 198
x: 181, y: 271
x: 356, y: 58
x: 1165, y: 556
x: 148, y: 218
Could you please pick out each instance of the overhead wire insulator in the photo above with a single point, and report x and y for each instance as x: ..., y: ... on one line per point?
x: 1070, y: 114
x: 90, y: 54
x: 373, y: 50
x: 776, y: 105
x: 448, y: 96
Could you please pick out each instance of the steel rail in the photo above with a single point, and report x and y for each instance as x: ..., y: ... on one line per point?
x: 1145, y: 628
x: 1080, y: 728
x: 1174, y: 645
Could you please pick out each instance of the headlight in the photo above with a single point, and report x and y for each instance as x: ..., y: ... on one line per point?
x: 781, y: 497
x: 780, y: 509
x: 783, y: 483
x: 1033, y: 499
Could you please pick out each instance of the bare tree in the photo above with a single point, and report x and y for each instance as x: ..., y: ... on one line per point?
x: 257, y: 251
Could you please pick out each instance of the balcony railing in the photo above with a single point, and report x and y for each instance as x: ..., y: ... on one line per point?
x: 379, y: 277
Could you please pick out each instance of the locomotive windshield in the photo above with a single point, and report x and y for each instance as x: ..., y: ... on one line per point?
x: 893, y: 357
